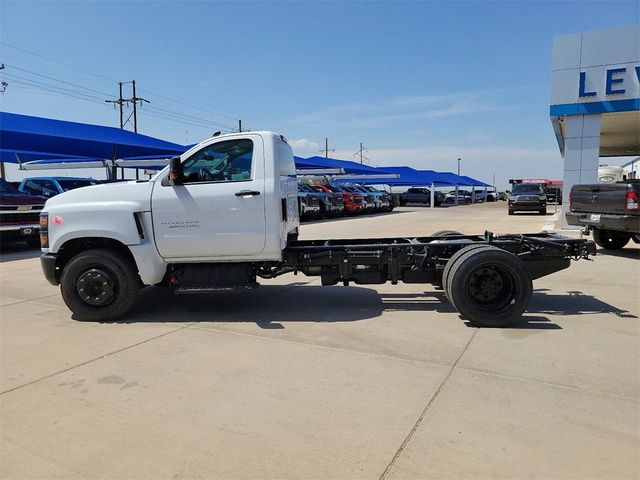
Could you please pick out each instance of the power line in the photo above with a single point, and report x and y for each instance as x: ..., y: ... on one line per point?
x: 56, y: 61
x: 55, y: 79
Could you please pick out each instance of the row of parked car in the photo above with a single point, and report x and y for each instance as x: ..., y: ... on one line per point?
x: 331, y: 200
x: 423, y: 196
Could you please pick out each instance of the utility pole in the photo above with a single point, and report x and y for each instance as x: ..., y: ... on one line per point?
x: 240, y: 126
x: 458, y: 167
x: 126, y: 101
x: 326, y: 148
x: 360, y: 152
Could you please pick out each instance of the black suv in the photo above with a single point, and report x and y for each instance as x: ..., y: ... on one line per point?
x: 420, y: 195
x: 527, y: 197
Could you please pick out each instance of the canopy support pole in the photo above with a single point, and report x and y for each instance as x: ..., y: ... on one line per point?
x: 433, y: 196
x: 456, y: 194
x: 473, y: 194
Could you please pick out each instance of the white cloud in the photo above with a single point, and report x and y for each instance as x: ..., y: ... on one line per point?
x: 304, y: 147
x: 393, y: 111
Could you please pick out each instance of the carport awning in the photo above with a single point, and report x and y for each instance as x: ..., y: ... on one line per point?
x: 405, y: 177
x: 320, y: 163
x: 35, y: 138
x: 473, y: 182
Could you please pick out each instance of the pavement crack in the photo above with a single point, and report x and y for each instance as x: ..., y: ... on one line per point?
x: 73, y: 367
x: 30, y: 300
x: 411, y: 433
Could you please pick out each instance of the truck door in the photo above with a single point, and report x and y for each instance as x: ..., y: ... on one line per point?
x: 219, y: 209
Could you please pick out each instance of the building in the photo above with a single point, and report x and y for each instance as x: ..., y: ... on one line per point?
x: 595, y: 100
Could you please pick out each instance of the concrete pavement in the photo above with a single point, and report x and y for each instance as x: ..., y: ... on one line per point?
x: 296, y: 380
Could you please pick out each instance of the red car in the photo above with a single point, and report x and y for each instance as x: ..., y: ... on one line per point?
x: 352, y: 201
x: 19, y: 215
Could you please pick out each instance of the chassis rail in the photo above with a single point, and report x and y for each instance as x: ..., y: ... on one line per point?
x: 423, y: 259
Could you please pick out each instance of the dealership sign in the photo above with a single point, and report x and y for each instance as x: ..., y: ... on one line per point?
x: 616, y: 81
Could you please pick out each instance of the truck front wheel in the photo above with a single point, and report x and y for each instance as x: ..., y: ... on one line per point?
x: 489, y: 287
x: 99, y: 285
x: 610, y: 239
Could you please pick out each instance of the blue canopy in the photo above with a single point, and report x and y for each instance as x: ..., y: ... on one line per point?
x: 473, y: 182
x: 459, y: 180
x: 319, y: 163
x: 35, y: 138
x: 406, y: 177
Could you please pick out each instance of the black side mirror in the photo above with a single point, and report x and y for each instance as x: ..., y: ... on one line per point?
x: 175, y: 171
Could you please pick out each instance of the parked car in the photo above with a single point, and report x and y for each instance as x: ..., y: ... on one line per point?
x: 51, y: 186
x: 611, y: 211
x: 464, y: 197
x: 527, y: 197
x: 502, y: 196
x: 554, y: 195
x: 331, y: 204
x: 420, y: 195
x: 368, y: 200
x: 381, y: 198
x: 352, y: 202
x: 19, y: 215
x: 308, y: 205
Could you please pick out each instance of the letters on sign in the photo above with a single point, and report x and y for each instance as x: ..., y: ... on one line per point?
x: 614, y: 82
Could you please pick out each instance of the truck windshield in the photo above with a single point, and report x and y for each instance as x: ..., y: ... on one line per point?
x: 526, y: 188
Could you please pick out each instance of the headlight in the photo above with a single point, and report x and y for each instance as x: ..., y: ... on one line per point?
x: 512, y: 198
x: 44, y: 230
x: 542, y: 197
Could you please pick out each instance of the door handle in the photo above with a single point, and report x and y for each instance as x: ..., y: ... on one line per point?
x: 247, y: 193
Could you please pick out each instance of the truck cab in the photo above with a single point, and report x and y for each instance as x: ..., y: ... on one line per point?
x: 231, y: 199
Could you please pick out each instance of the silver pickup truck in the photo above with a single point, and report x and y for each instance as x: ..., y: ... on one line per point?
x: 609, y: 210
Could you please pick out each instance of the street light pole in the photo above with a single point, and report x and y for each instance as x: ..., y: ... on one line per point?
x: 458, y: 167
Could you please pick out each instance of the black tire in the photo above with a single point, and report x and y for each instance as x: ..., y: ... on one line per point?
x: 99, y: 285
x: 446, y: 233
x: 511, y: 211
x: 403, y: 203
x: 610, y: 239
x: 542, y: 211
x: 490, y: 287
x: 453, y: 260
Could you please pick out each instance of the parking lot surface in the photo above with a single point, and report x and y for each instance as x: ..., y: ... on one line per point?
x: 296, y: 380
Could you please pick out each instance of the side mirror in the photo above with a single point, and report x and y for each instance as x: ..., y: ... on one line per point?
x: 175, y: 171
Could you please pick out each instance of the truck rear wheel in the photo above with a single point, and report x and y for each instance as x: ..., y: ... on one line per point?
x: 490, y: 287
x: 452, y: 261
x: 610, y: 239
x: 99, y: 285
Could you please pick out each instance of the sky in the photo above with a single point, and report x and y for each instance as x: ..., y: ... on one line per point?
x: 417, y: 83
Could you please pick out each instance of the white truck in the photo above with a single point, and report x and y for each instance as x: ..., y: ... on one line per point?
x: 225, y: 213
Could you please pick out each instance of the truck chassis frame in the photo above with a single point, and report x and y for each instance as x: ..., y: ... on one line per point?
x: 487, y: 278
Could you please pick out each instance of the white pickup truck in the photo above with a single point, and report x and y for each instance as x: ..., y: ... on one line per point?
x: 225, y: 213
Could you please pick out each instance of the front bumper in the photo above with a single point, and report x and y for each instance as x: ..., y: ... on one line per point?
x: 527, y: 206
x: 48, y: 263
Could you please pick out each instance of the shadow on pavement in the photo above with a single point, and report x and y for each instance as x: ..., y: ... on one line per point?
x: 623, y: 253
x: 269, y: 305
x: 11, y: 251
x: 572, y: 303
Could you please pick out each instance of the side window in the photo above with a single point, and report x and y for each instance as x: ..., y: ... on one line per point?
x: 285, y: 157
x: 228, y: 161
x: 49, y: 188
x: 32, y: 187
